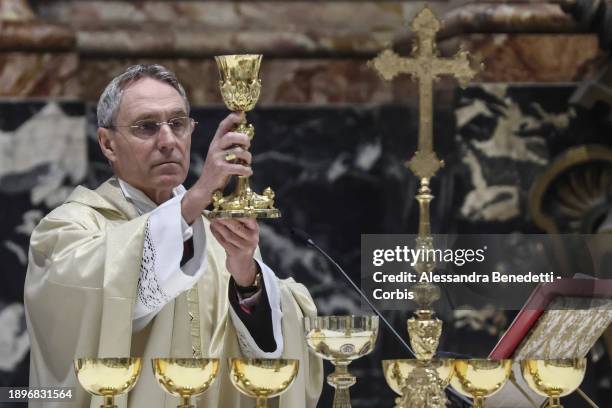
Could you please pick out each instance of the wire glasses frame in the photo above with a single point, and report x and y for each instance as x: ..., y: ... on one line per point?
x: 148, y: 128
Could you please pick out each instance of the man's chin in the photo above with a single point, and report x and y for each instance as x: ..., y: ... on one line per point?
x: 169, y: 180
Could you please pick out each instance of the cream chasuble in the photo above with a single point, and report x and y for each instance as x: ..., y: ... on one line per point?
x: 80, y: 291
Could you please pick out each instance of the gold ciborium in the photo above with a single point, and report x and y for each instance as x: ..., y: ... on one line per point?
x: 479, y: 379
x: 185, y: 377
x: 262, y: 378
x: 107, y: 377
x: 554, y: 378
x: 341, y: 339
x: 397, y: 371
x: 240, y: 87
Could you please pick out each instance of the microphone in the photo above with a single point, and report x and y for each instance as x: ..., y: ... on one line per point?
x: 306, y: 239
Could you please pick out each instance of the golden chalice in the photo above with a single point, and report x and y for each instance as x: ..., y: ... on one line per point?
x: 185, y: 377
x: 341, y: 339
x: 262, y: 378
x: 479, y: 379
x: 107, y: 377
x: 554, y: 378
x: 397, y: 371
x: 240, y: 87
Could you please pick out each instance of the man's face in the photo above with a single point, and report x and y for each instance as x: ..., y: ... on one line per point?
x: 153, y: 164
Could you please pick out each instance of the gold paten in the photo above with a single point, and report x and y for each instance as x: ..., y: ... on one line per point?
x: 341, y: 339
x: 185, y: 377
x: 554, y: 378
x: 262, y: 378
x: 240, y: 87
x: 107, y: 377
x: 479, y: 379
x: 423, y: 387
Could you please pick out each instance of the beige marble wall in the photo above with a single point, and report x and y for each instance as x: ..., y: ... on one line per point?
x: 315, y: 52
x: 37, y: 58
x: 39, y: 75
x: 285, y: 81
x: 531, y: 57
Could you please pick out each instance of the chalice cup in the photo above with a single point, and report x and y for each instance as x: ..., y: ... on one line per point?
x: 554, y: 378
x: 240, y: 87
x: 397, y: 371
x: 185, y: 377
x: 479, y: 379
x: 107, y: 377
x: 341, y: 339
x: 262, y: 378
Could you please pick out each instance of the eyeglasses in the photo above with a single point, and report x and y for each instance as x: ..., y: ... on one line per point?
x: 148, y: 128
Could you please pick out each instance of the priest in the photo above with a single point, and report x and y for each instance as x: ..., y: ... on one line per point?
x: 132, y: 268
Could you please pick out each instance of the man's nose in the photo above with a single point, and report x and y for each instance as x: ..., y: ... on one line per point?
x: 165, y: 138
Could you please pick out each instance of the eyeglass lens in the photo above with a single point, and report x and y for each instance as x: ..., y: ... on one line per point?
x: 149, y: 128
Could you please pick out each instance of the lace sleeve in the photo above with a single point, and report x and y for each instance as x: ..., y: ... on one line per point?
x: 150, y: 294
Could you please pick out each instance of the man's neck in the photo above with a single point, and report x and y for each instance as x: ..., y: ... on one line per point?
x: 142, y: 201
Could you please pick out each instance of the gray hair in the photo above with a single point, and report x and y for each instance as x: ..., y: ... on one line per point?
x: 108, y: 105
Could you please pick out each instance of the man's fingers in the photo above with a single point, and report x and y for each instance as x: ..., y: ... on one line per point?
x: 232, y: 139
x: 238, y: 170
x: 243, y: 155
x: 241, y: 229
x: 231, y: 236
x: 221, y: 238
x: 228, y: 124
x: 249, y: 223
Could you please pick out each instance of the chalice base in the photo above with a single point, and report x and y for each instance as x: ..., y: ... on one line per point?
x: 423, y: 389
x: 244, y: 203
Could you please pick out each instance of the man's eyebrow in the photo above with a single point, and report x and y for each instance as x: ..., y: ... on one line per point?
x: 178, y: 112
x: 156, y: 115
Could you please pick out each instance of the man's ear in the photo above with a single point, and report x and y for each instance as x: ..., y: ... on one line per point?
x: 106, y: 144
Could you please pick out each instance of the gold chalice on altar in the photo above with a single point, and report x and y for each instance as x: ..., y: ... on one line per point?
x: 240, y: 87
x: 554, y: 378
x: 341, y: 339
x: 397, y: 371
x: 185, y: 377
x: 107, y: 377
x: 262, y: 378
x: 479, y: 379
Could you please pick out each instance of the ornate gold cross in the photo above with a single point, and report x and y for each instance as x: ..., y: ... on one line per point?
x: 425, y: 67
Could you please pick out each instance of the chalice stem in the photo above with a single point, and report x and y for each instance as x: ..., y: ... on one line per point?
x: 478, y: 402
x: 243, y: 183
x: 185, y: 402
x: 341, y: 380
x: 554, y: 402
x: 246, y: 128
x: 261, y: 402
x: 109, y: 402
x: 342, y: 398
x: 242, y: 189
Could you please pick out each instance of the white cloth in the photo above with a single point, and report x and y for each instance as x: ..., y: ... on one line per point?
x: 163, y: 279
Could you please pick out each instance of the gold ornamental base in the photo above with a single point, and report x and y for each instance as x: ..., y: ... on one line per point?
x: 244, y: 203
x: 423, y: 388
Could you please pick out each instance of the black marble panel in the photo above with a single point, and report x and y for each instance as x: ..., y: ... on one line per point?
x: 42, y: 158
